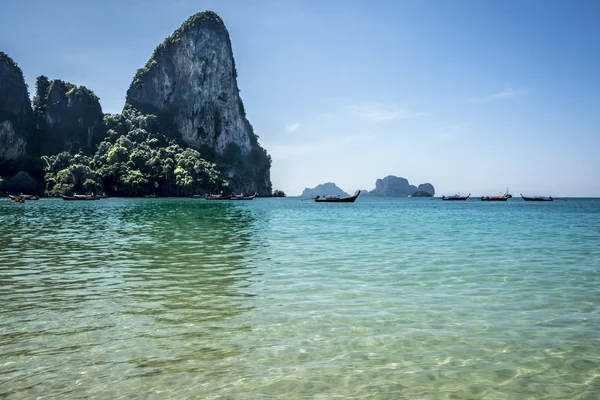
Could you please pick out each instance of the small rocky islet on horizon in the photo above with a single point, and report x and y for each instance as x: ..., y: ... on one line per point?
x: 390, y: 186
x: 161, y: 143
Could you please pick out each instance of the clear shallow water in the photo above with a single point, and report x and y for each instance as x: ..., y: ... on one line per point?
x: 288, y: 299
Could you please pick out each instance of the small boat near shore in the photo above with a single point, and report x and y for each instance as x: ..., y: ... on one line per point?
x: 24, y: 196
x: 456, y: 197
x: 18, y: 200
x: 216, y: 197
x: 242, y: 197
x: 81, y: 197
x: 337, y: 199
x: 537, y: 198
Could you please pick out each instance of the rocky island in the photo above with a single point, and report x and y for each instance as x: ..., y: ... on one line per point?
x: 324, y: 189
x: 183, y: 129
x: 393, y: 186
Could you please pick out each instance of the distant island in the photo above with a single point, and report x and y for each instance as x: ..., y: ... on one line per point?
x: 324, y: 189
x: 183, y: 129
x: 393, y: 186
x: 421, y: 193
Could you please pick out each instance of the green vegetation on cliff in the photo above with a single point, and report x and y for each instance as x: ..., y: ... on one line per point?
x: 133, y: 160
x: 68, y: 118
x: 199, y: 141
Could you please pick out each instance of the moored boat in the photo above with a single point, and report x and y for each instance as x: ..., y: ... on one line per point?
x: 216, y: 197
x: 336, y: 199
x: 242, y: 197
x: 537, y: 198
x: 81, y: 197
x: 24, y: 196
x: 456, y: 197
x: 495, y: 198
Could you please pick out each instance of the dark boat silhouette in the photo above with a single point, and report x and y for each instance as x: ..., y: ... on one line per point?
x: 537, y: 198
x: 81, y: 197
x: 24, y: 196
x: 336, y: 199
x: 242, y: 197
x: 216, y: 197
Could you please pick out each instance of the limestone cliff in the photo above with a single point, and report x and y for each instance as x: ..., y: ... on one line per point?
x: 324, y: 189
x: 68, y: 118
x: 15, y: 110
x: 421, y: 193
x: 394, y: 186
x: 190, y: 83
x: 426, y: 187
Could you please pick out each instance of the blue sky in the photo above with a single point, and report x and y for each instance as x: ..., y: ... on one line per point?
x: 472, y: 96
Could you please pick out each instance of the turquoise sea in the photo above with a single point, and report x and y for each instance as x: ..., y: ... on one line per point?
x: 289, y: 299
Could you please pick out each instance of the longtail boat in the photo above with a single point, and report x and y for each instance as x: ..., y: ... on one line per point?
x: 537, y: 198
x: 81, y: 197
x: 336, y: 199
x: 216, y: 197
x: 456, y: 197
x: 242, y: 197
x: 24, y: 196
x: 495, y: 198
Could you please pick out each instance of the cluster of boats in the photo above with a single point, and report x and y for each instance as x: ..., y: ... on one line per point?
x: 503, y: 197
x: 319, y: 199
x: 499, y: 198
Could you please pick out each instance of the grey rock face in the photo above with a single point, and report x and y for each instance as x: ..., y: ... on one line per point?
x: 15, y: 110
x: 394, y: 186
x: 427, y: 187
x: 190, y: 83
x: 324, y: 189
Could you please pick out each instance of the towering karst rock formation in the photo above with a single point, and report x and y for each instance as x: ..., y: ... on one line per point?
x: 15, y: 110
x: 190, y: 84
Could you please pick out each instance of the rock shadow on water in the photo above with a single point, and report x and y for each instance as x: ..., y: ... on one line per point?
x: 189, y: 282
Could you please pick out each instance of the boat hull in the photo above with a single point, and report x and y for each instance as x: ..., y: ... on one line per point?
x: 537, y: 198
x: 495, y: 198
x: 80, y: 198
x: 24, y: 197
x: 243, y: 197
x: 457, y: 198
x: 350, y: 199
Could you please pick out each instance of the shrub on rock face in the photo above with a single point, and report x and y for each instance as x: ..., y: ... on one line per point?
x: 278, y: 193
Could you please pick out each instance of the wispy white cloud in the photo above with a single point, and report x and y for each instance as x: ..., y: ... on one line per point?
x: 376, y: 113
x: 509, y: 93
x: 450, y: 133
x: 293, y: 127
x: 283, y: 151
